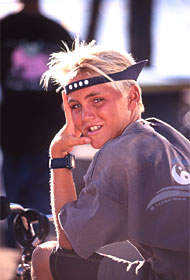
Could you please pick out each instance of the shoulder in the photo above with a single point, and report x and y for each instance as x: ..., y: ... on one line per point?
x: 9, y: 18
x: 139, y: 143
x: 136, y: 136
x: 56, y: 26
x: 122, y: 150
x: 170, y: 133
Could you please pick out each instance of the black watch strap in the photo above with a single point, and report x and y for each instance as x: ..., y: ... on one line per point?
x: 66, y: 162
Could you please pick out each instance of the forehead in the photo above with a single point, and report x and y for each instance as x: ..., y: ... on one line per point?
x: 98, y: 91
x: 83, y: 81
x: 105, y: 89
x: 91, y: 89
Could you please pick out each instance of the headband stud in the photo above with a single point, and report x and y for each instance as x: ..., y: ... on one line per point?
x: 130, y: 73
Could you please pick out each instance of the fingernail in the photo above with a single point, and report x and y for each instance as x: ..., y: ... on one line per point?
x: 87, y: 140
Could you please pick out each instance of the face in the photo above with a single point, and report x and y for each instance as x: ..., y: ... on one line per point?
x: 99, y: 112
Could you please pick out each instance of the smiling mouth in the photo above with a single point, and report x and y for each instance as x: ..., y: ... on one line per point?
x: 93, y: 129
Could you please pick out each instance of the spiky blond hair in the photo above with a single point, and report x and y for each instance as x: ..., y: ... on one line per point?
x: 92, y: 59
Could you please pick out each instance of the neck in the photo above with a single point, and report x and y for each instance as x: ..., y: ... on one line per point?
x: 136, y: 115
x: 32, y: 7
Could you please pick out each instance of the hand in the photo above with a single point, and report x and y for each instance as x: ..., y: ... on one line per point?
x: 68, y: 136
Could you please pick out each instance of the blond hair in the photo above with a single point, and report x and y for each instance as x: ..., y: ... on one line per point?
x: 91, y: 59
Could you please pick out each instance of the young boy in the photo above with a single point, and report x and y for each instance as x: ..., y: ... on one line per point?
x: 137, y: 186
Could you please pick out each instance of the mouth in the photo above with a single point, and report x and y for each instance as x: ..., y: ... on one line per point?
x: 93, y: 129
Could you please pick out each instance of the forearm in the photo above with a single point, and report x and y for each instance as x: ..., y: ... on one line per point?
x: 62, y: 185
x: 62, y: 191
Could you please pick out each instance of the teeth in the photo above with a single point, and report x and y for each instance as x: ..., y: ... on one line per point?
x: 93, y: 128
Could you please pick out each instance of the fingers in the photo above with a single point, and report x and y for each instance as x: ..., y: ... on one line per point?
x: 68, y: 141
x: 67, y: 109
x: 69, y: 119
x: 69, y: 136
x: 77, y: 132
x: 68, y: 114
x: 80, y: 141
x: 62, y: 144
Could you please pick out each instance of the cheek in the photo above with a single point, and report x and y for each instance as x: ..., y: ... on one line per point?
x: 76, y: 119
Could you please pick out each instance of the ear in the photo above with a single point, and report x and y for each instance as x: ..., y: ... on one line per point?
x: 134, y: 96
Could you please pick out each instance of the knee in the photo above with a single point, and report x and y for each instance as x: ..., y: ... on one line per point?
x: 40, y: 268
x: 40, y: 257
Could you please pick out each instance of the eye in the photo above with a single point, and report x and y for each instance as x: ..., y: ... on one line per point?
x: 75, y: 106
x: 98, y: 100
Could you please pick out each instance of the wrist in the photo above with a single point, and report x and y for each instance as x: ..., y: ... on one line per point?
x: 62, y: 162
x: 58, y: 154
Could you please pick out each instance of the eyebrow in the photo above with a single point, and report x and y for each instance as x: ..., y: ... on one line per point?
x: 86, y: 97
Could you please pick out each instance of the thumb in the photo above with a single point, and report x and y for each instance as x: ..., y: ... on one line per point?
x: 83, y: 140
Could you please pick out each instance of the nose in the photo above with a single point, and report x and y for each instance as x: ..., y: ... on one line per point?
x: 87, y: 113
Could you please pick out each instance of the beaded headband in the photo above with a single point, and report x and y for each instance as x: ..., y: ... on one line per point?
x: 131, y: 73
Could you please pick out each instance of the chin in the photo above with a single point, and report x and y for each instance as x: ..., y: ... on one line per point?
x: 96, y: 145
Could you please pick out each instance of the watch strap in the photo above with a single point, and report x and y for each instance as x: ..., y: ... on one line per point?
x: 65, y: 162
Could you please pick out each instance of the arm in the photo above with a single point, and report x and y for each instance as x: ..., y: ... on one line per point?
x: 62, y: 191
x: 62, y: 186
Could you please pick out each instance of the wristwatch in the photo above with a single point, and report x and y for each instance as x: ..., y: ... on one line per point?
x: 66, y: 162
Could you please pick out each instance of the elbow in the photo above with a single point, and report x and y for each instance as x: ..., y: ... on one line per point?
x: 63, y: 241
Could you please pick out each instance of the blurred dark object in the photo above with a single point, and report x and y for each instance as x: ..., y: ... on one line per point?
x: 140, y: 29
x: 30, y: 117
x: 4, y: 207
x: 169, y: 100
x: 93, y: 20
